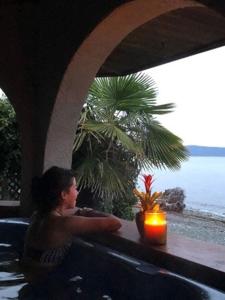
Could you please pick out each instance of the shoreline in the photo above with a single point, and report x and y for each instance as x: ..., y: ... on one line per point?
x: 197, y: 225
x: 202, y: 214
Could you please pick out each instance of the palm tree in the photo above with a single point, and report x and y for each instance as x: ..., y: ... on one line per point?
x: 118, y: 135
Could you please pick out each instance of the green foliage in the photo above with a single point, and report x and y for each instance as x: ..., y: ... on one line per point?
x: 10, y: 150
x: 118, y: 135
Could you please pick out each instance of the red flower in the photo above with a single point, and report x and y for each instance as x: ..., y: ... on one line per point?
x: 147, y: 200
x: 148, y: 180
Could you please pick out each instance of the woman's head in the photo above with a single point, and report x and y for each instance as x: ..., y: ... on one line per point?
x: 49, y: 190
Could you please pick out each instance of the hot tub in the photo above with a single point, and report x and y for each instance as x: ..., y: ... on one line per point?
x: 93, y: 271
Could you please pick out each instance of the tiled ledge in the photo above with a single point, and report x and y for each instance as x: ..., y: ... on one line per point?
x: 194, y: 259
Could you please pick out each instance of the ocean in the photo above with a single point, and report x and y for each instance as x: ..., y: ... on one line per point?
x: 201, y: 178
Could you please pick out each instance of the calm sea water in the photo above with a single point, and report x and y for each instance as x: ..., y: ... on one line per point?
x: 203, y: 180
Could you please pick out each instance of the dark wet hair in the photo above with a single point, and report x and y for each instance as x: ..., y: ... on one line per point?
x: 46, y: 190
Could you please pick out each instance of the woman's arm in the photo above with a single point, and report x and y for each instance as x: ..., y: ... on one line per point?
x: 84, y: 225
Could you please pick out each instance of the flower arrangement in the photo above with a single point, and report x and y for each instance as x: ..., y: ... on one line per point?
x: 148, y: 200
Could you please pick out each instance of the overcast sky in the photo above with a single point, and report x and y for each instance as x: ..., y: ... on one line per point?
x: 197, y: 86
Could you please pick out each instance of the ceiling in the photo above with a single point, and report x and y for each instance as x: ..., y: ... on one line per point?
x: 169, y: 37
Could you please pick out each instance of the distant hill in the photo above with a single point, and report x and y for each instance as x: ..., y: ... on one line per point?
x: 205, y: 151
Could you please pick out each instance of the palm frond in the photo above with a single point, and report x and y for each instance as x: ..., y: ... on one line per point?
x: 110, y: 130
x: 124, y: 93
x: 102, y: 177
x: 162, y: 147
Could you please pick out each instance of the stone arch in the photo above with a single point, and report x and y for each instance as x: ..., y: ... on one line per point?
x: 85, y: 64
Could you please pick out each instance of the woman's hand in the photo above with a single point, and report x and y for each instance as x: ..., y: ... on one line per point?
x: 115, y: 223
x: 90, y: 221
x: 89, y: 212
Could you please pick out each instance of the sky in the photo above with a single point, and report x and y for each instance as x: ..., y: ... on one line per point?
x: 197, y: 87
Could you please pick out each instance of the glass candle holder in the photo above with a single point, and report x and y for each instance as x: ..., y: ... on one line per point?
x: 155, y: 227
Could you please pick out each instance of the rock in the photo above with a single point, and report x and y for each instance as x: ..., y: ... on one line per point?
x: 172, y: 200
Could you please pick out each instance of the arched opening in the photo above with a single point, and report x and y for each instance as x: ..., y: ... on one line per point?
x: 84, y: 66
x: 78, y: 78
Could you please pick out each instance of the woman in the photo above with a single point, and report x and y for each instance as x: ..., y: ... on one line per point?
x: 55, y: 222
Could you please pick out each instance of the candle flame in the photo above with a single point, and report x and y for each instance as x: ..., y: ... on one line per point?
x: 155, y: 222
x: 155, y: 219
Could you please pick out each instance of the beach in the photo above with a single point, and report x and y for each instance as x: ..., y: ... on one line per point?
x: 197, y: 225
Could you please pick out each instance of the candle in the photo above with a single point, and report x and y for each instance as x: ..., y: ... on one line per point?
x: 155, y: 227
